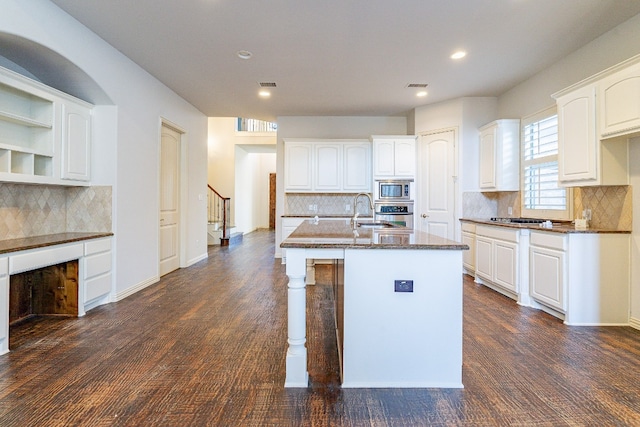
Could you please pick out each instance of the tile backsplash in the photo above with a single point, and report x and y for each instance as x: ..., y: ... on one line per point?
x: 326, y: 204
x: 33, y: 210
x: 611, y: 206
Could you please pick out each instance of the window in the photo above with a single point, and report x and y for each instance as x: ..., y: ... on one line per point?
x: 541, y: 195
x: 253, y: 125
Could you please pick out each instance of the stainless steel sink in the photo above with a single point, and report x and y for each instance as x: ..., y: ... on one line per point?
x: 374, y: 225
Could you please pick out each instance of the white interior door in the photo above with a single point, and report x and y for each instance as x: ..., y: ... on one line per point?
x: 169, y: 200
x: 436, y: 210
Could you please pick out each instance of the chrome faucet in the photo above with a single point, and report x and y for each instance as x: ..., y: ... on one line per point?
x: 354, y: 220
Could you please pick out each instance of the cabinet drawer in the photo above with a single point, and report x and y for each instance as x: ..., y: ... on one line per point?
x: 500, y: 233
x: 97, y: 264
x: 549, y: 240
x: 97, y: 246
x: 44, y: 257
x: 468, y: 227
x: 97, y: 287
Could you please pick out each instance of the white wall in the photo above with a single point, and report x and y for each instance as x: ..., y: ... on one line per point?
x: 237, y: 164
x: 465, y: 116
x: 252, y: 189
x: 634, y: 172
x: 534, y: 94
x: 327, y: 128
x: 128, y: 139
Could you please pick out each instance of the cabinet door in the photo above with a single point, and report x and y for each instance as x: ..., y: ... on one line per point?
x: 505, y: 255
x: 619, y: 102
x: 469, y: 257
x: 357, y: 167
x: 546, y: 276
x: 577, y: 143
x: 4, y: 313
x: 76, y: 142
x: 404, y: 161
x: 484, y: 258
x: 297, y: 165
x: 488, y: 158
x: 328, y: 167
x: 383, y: 158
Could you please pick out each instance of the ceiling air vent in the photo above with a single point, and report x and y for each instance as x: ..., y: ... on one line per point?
x: 420, y: 85
x: 267, y: 84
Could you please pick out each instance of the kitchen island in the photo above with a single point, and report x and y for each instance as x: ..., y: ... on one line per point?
x: 402, y: 304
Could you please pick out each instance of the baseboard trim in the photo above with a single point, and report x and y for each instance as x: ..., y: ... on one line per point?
x: 197, y: 259
x: 634, y: 323
x: 136, y: 288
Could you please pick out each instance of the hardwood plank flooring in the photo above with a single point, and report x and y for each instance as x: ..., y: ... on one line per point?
x: 205, y: 347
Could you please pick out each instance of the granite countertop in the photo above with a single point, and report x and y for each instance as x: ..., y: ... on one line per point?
x: 35, y: 242
x: 558, y: 227
x: 339, y: 234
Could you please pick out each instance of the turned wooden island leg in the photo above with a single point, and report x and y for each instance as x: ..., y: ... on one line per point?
x: 296, y: 372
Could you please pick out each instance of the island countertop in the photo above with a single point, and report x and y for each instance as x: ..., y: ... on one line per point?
x: 339, y: 234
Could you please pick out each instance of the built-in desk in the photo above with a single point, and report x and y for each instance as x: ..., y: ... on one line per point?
x: 92, y: 250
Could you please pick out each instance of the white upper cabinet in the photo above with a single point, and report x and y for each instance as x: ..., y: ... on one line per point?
x: 578, y: 144
x: 619, y: 103
x: 500, y: 156
x: 394, y: 156
x: 76, y: 142
x: 45, y: 135
x: 298, y: 166
x: 590, y: 114
x: 357, y: 167
x: 327, y: 166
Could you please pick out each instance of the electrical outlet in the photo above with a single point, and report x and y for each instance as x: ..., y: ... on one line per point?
x: 403, y: 285
x: 510, y: 210
x: 587, y: 214
x: 347, y: 207
x: 310, y: 207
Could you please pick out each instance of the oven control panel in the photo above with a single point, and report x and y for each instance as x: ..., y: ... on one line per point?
x: 393, y: 209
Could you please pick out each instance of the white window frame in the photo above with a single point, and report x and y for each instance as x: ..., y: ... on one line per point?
x: 550, y: 214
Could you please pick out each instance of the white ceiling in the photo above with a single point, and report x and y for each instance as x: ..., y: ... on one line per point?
x: 343, y: 57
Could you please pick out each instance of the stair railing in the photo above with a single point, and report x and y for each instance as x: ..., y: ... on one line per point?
x: 219, y: 210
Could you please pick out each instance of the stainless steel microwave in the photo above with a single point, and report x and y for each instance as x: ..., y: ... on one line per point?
x: 393, y: 190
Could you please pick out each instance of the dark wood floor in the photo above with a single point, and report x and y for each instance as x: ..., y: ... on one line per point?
x: 205, y: 346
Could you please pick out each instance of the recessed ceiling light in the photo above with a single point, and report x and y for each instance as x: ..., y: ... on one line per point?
x: 244, y: 54
x: 422, y: 93
x: 264, y: 93
x: 459, y: 54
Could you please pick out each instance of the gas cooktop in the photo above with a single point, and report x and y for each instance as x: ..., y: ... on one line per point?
x: 518, y: 220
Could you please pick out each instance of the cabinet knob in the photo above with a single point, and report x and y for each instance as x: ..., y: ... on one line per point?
x: 425, y: 216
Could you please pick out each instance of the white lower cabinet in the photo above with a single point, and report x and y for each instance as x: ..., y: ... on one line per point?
x: 582, y: 277
x: 97, y: 269
x: 288, y: 226
x: 498, y: 257
x: 4, y: 308
x: 547, y: 276
x: 469, y: 239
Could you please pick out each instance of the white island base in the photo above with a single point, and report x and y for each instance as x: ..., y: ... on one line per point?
x: 391, y: 339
